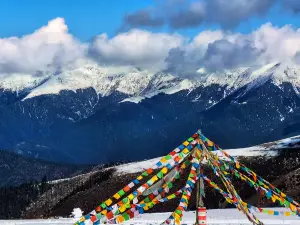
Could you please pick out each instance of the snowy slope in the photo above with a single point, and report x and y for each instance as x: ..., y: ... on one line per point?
x: 214, y: 216
x: 20, y: 82
x: 267, y: 149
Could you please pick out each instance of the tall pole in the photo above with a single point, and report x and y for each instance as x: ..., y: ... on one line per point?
x: 198, y: 197
x: 201, y: 210
x: 201, y: 203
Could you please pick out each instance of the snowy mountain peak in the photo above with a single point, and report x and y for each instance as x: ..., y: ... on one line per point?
x: 138, y: 84
x: 278, y: 73
x: 133, y: 82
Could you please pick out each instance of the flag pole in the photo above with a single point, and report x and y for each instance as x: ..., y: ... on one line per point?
x: 201, y: 210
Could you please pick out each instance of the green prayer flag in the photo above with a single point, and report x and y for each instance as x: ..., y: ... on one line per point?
x: 281, y: 202
x: 168, y: 157
x: 125, y: 200
x: 260, y: 183
x: 126, y: 216
x: 145, y: 174
x: 160, y: 175
x: 147, y: 200
x: 103, y: 205
x: 190, y: 139
x: 121, y: 193
x: 287, y: 203
x: 178, y: 211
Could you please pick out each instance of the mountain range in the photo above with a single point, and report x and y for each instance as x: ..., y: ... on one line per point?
x: 94, y: 115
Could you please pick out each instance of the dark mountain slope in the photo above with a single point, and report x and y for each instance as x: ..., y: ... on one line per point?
x: 16, y: 169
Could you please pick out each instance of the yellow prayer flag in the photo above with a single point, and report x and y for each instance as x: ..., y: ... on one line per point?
x: 120, y: 219
x: 163, y: 160
x: 108, y: 202
x: 131, y: 197
x: 117, y: 196
x: 293, y: 207
x: 273, y: 199
x: 287, y: 213
x: 176, y: 216
x: 185, y: 151
x: 186, y: 143
x: 265, y: 186
x: 164, y: 170
x: 154, y: 178
x: 210, y: 143
x: 122, y: 208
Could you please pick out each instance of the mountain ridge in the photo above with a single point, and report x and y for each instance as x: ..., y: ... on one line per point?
x: 137, y: 82
x: 254, y: 105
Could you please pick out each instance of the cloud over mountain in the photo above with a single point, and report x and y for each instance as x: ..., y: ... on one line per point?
x: 222, y: 50
x: 138, y: 48
x: 48, y: 47
x: 52, y: 48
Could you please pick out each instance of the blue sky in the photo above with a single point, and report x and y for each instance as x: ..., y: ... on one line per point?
x: 85, y: 19
x: 179, y: 36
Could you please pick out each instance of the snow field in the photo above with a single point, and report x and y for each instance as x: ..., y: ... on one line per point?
x: 214, y: 216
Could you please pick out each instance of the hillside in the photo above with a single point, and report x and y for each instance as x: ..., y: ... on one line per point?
x: 277, y: 162
x: 16, y: 169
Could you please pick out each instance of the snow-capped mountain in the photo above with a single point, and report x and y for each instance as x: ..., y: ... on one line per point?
x: 134, y: 82
x: 95, y: 114
x: 139, y: 84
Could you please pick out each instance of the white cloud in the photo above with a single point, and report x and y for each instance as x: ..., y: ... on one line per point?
x: 52, y: 48
x: 49, y: 47
x: 277, y: 43
x: 217, y: 50
x: 136, y: 48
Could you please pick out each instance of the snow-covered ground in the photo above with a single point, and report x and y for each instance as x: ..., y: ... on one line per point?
x: 267, y: 149
x: 216, y: 216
